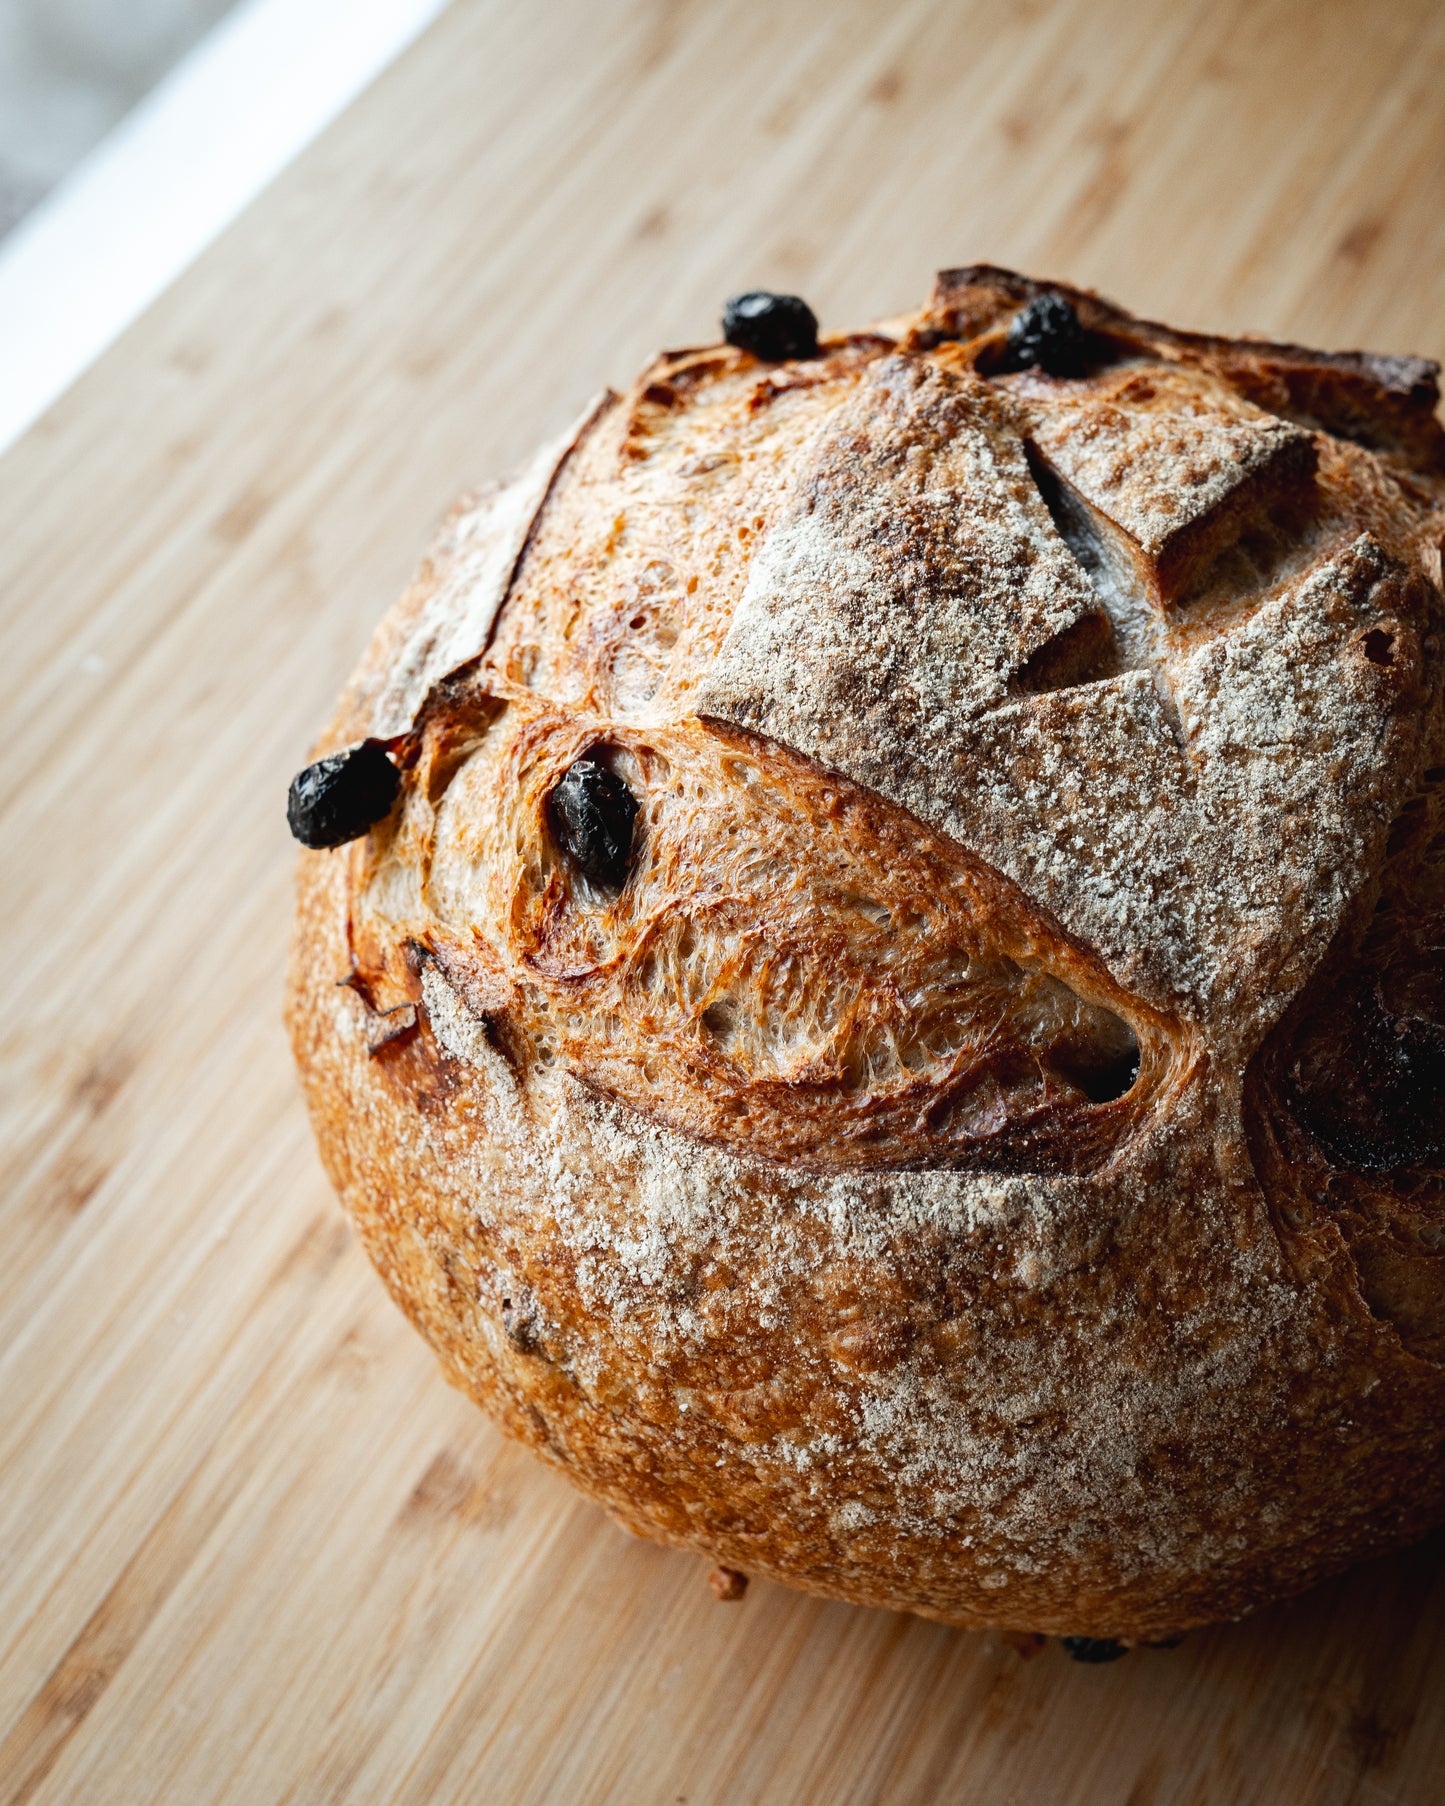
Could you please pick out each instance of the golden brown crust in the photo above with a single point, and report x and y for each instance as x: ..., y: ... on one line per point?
x: 981, y: 1161
x: 1385, y: 402
x: 793, y: 968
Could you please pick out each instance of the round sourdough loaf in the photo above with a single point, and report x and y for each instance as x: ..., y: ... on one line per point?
x: 894, y: 1028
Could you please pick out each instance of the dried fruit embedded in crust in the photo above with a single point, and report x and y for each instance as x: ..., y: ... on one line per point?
x: 1384, y: 402
x: 771, y: 327
x: 1347, y: 1098
x: 791, y: 966
x: 339, y: 797
x: 592, y: 815
x: 1045, y: 332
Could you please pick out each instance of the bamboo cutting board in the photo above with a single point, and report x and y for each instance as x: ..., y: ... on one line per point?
x: 252, y: 1549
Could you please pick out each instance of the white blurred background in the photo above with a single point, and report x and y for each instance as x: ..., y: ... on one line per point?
x: 70, y: 70
x: 131, y: 133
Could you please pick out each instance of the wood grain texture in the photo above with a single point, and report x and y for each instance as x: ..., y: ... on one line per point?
x: 251, y: 1548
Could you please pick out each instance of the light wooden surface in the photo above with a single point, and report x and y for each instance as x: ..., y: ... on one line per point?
x: 251, y: 1547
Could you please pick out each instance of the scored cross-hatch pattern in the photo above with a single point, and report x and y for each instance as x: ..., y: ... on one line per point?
x: 1183, y: 514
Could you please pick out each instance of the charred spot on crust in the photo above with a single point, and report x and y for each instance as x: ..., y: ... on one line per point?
x: 592, y: 816
x: 772, y: 327
x: 338, y: 798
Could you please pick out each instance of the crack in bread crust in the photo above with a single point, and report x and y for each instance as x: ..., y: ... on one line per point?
x: 792, y: 967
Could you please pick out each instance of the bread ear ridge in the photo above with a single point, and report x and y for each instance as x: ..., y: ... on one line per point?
x: 1381, y: 400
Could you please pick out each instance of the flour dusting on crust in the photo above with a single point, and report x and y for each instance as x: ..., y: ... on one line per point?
x: 981, y: 1161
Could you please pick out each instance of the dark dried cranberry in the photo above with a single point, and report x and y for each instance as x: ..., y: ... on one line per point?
x: 339, y: 797
x: 592, y: 814
x: 772, y: 327
x: 1370, y: 1085
x: 1093, y: 1649
x: 1046, y: 334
